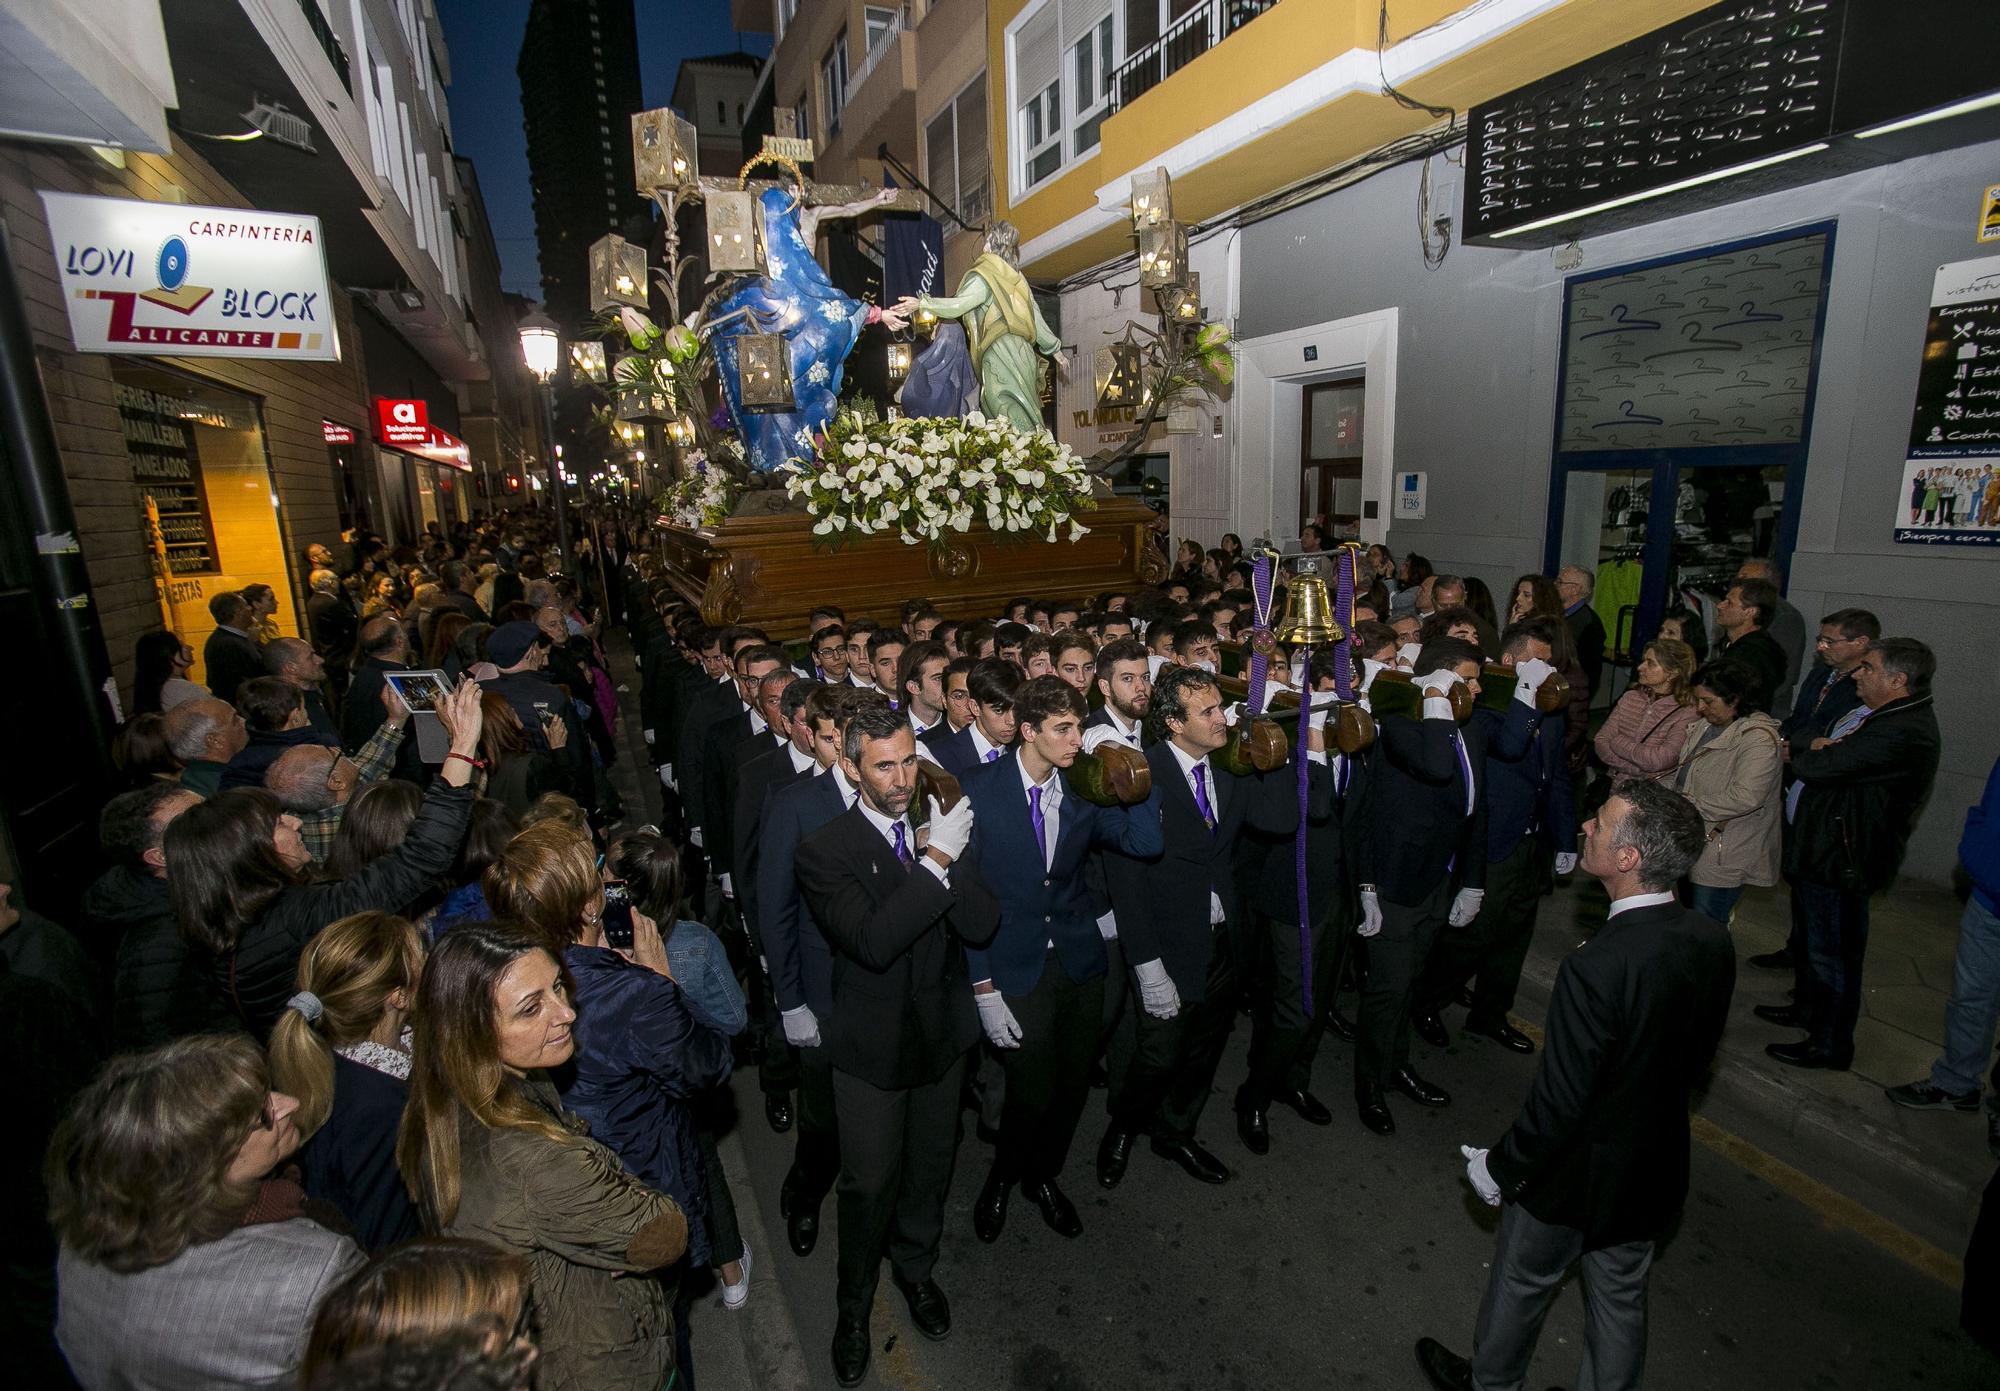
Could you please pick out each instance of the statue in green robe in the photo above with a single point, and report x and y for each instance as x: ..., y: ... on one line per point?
x: 1007, y: 333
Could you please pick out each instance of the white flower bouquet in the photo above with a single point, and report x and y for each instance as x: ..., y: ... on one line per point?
x: 702, y: 497
x: 924, y: 478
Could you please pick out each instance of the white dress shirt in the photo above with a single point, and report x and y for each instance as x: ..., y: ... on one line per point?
x: 981, y: 745
x: 1632, y: 901
x: 886, y: 826
x: 800, y: 761
x: 1188, y: 765
x: 1113, y: 731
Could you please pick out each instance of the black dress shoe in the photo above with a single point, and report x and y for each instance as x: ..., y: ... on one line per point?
x: 1785, y: 1016
x: 989, y: 1210
x: 1446, y: 1369
x: 1253, y: 1130
x: 1417, y: 1089
x: 1114, y: 1152
x: 1310, y: 1108
x: 1373, y: 1109
x: 778, y: 1111
x: 802, y: 1227
x: 1803, y: 1054
x: 850, y: 1351
x: 1430, y: 1028
x: 1339, y: 1024
x: 928, y: 1309
x: 1056, y: 1209
x: 1198, y: 1162
x: 1506, y: 1035
x: 1779, y: 960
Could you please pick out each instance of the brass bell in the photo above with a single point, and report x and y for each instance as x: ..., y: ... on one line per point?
x: 1308, y: 618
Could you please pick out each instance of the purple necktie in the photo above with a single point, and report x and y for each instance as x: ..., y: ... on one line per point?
x: 902, y: 848
x: 1201, y: 795
x: 1041, y: 824
x: 992, y: 755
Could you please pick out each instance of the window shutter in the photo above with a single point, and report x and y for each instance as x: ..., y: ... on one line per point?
x: 940, y: 164
x: 1037, y: 53
x: 1079, y: 17
x: 973, y: 204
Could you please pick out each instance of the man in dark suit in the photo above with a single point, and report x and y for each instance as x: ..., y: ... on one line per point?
x: 899, y: 907
x: 1575, y: 585
x: 1125, y: 682
x: 458, y: 580
x: 744, y: 729
x: 383, y: 646
x: 1279, y: 1025
x: 1596, y: 1166
x: 1530, y: 832
x: 1181, y: 925
x: 993, y: 683
x: 798, y: 960
x: 330, y: 623
x: 1743, y: 614
x: 230, y: 656
x: 1040, y: 984
x: 702, y: 711
x: 1429, y: 857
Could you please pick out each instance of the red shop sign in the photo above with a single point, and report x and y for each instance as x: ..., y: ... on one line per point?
x: 404, y: 424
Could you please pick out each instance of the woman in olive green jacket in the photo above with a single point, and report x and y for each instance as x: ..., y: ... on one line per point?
x: 488, y: 1152
x: 1731, y: 767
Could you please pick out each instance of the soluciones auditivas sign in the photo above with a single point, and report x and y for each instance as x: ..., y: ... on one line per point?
x: 183, y: 281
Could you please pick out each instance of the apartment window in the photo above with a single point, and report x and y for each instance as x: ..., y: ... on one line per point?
x: 833, y: 83
x: 1077, y: 36
x: 955, y: 155
x: 878, y: 21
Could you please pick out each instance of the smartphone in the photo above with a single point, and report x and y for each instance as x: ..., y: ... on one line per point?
x: 617, y: 916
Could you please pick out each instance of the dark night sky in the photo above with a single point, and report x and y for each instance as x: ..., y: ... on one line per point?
x: 484, y: 38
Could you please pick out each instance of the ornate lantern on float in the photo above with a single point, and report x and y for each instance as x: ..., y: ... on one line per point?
x: 617, y: 274
x: 1182, y: 304
x: 1152, y: 198
x: 1119, y: 369
x: 899, y: 361
x: 764, y: 372
x: 733, y: 241
x: 586, y: 362
x: 663, y: 150
x: 1163, y: 252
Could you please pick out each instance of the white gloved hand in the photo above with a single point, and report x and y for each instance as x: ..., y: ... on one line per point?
x: 1101, y: 734
x: 950, y: 831
x: 1406, y: 655
x: 649, y: 737
x: 728, y: 890
x: 1371, y: 914
x: 1107, y: 926
x: 801, y: 1027
x: 1482, y: 1179
x: 1231, y: 714
x: 1440, y: 681
x: 1002, y: 1029
x: 1156, y: 989
x: 1465, y: 907
x: 1565, y: 864
x: 694, y: 835
x: 1370, y: 669
x: 1528, y: 678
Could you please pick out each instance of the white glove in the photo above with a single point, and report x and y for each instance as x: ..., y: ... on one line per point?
x: 1438, y: 707
x: 1406, y: 655
x: 1002, y: 1029
x: 1482, y: 1180
x: 1156, y: 989
x: 1371, y: 914
x: 649, y: 737
x: 1107, y: 926
x: 728, y: 890
x: 1565, y: 864
x: 1528, y: 678
x: 801, y: 1027
x: 1231, y: 714
x: 1101, y: 734
x: 1465, y: 907
x: 1370, y: 669
x: 694, y: 835
x: 950, y: 830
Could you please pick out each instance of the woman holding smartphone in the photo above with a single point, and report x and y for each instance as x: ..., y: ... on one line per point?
x: 641, y: 1055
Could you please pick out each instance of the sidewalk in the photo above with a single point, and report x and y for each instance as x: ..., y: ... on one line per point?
x: 1923, y: 1171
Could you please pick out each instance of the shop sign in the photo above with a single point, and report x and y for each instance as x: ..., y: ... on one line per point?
x: 182, y: 281
x: 442, y: 447
x: 1950, y: 493
x: 336, y: 434
x: 402, y: 424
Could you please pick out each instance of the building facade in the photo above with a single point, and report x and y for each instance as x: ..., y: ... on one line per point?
x: 714, y: 93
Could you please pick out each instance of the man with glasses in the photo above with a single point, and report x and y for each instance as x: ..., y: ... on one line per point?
x: 829, y: 652
x: 315, y: 783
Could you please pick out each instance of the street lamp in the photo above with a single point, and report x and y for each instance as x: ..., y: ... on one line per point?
x: 541, y: 350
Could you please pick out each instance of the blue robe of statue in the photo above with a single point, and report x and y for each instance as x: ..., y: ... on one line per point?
x: 820, y: 326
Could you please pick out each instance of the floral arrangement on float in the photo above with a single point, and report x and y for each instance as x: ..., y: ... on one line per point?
x: 924, y: 478
x: 701, y: 497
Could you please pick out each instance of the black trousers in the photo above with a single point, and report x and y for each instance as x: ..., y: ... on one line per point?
x: 1328, y: 966
x: 896, y: 1151
x: 1174, y: 1060
x: 1048, y: 1076
x: 816, y: 1156
x: 1494, y: 945
x: 1396, y: 958
x: 1278, y: 1019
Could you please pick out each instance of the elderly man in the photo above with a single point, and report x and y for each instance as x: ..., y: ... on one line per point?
x: 1575, y: 586
x: 230, y: 656
x: 315, y: 783
x: 205, y: 735
x: 293, y: 661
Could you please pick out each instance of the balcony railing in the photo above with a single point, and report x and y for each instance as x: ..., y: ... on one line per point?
x: 1193, y: 34
x: 884, y: 45
x: 329, y: 42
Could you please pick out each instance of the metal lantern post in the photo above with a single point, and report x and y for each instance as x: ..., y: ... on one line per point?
x: 541, y: 350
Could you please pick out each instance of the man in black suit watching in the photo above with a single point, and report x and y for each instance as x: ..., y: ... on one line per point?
x: 230, y: 656
x: 1596, y: 1166
x: 1575, y: 586
x: 1182, y: 926
x: 899, y: 908
x: 1743, y: 616
x: 993, y: 683
x: 1428, y: 849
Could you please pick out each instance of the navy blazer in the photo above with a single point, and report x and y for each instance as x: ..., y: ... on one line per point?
x: 266, y: 746
x: 1038, y: 902
x: 1528, y: 785
x: 951, y: 751
x: 1337, y: 856
x: 1423, y: 836
x: 795, y: 951
x: 350, y: 1161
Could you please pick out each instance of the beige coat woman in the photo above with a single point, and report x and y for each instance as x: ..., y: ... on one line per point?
x: 1734, y: 782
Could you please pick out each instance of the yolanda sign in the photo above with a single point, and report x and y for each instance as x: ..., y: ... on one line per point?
x: 182, y: 281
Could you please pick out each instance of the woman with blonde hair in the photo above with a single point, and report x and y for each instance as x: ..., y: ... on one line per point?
x: 1731, y: 766
x: 184, y: 1261
x: 341, y: 1048
x: 489, y: 1152
x: 1647, y: 728
x: 425, y: 1289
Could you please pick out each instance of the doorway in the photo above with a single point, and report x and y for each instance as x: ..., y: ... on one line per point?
x: 1330, y: 423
